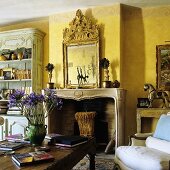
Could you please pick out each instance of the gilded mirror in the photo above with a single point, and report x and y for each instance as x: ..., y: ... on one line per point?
x: 81, y: 53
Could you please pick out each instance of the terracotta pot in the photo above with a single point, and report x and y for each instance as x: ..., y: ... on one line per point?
x: 106, y: 84
x: 50, y: 85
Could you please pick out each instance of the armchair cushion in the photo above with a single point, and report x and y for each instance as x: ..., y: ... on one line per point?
x: 155, y: 143
x: 163, y: 128
x: 142, y: 158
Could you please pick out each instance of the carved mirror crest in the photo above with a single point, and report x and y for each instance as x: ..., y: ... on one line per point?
x: 81, y: 53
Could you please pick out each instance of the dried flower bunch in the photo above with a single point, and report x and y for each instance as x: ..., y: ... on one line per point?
x: 35, y: 107
x: 104, y: 63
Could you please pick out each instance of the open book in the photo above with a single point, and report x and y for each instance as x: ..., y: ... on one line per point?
x: 17, y: 138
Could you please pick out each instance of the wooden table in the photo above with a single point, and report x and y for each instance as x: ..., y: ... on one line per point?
x: 149, y: 113
x: 65, y: 158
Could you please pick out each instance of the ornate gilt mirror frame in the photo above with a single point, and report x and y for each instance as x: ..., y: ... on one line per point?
x: 81, y: 53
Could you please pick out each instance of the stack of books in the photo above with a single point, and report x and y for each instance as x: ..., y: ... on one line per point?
x: 17, y: 138
x: 9, y: 146
x: 31, y: 158
x: 66, y: 140
x: 14, y: 110
x: 52, y: 136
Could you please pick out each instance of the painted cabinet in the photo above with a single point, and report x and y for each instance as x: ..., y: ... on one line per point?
x: 21, y: 59
x: 13, y: 125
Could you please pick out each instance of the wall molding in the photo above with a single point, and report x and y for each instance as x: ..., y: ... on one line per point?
x: 96, y: 12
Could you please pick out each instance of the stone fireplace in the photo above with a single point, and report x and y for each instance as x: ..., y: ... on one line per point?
x: 108, y: 103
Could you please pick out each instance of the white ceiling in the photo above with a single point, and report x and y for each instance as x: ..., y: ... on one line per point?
x: 12, y: 11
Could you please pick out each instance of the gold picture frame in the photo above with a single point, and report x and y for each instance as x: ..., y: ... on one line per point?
x: 7, y: 73
x: 163, y: 66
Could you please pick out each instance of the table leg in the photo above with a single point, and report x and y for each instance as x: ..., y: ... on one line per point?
x: 92, y: 161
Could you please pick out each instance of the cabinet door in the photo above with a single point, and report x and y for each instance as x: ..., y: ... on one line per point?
x: 16, y: 125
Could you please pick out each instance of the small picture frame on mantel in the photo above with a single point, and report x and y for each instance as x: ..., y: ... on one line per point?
x: 7, y: 73
x: 143, y: 103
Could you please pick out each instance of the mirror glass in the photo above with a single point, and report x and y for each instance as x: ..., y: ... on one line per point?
x: 82, y: 65
x: 81, y: 54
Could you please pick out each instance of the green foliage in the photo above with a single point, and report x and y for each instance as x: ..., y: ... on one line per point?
x: 104, y: 63
x: 49, y: 67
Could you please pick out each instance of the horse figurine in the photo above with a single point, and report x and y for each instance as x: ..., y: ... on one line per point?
x: 156, y: 94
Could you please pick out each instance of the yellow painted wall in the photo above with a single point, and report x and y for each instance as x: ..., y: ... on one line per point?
x: 42, y: 25
x: 128, y: 38
x: 143, y: 29
x: 108, y: 18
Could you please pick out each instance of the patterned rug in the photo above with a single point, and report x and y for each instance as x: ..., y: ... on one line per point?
x: 100, y: 163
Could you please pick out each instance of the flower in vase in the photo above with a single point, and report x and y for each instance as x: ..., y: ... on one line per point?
x: 35, y: 107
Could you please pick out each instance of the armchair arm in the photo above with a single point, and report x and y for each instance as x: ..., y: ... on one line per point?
x: 138, y: 139
x: 144, y: 135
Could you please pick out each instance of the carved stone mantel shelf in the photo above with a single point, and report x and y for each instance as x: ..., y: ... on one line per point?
x: 81, y: 94
x: 118, y: 94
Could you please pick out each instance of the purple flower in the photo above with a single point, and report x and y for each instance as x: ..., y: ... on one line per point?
x: 15, y: 98
x: 52, y: 99
x: 33, y: 99
x: 35, y: 106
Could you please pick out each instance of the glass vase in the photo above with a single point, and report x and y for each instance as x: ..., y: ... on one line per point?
x: 36, y: 133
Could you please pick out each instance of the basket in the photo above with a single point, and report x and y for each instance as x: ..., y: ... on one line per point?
x: 86, y: 123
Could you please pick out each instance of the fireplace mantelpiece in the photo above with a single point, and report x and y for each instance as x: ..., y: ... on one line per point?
x: 118, y: 94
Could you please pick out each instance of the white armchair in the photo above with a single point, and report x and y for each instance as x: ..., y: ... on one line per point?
x: 146, y: 152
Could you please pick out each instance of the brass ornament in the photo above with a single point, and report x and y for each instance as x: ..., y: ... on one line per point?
x: 81, y: 29
x: 1, y: 120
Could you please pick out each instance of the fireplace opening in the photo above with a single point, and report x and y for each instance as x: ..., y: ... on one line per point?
x: 104, y: 123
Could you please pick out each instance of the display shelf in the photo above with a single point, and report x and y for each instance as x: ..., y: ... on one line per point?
x: 15, y: 80
x: 16, y: 61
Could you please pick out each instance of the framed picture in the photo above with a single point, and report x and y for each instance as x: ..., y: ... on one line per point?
x: 143, y: 103
x: 163, y: 66
x: 7, y: 73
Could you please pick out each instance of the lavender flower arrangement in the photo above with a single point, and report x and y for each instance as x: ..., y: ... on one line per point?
x: 35, y: 107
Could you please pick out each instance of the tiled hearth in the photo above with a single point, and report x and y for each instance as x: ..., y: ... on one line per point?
x: 109, y: 104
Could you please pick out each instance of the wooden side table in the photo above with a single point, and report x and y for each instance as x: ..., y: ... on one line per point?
x: 148, y: 113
